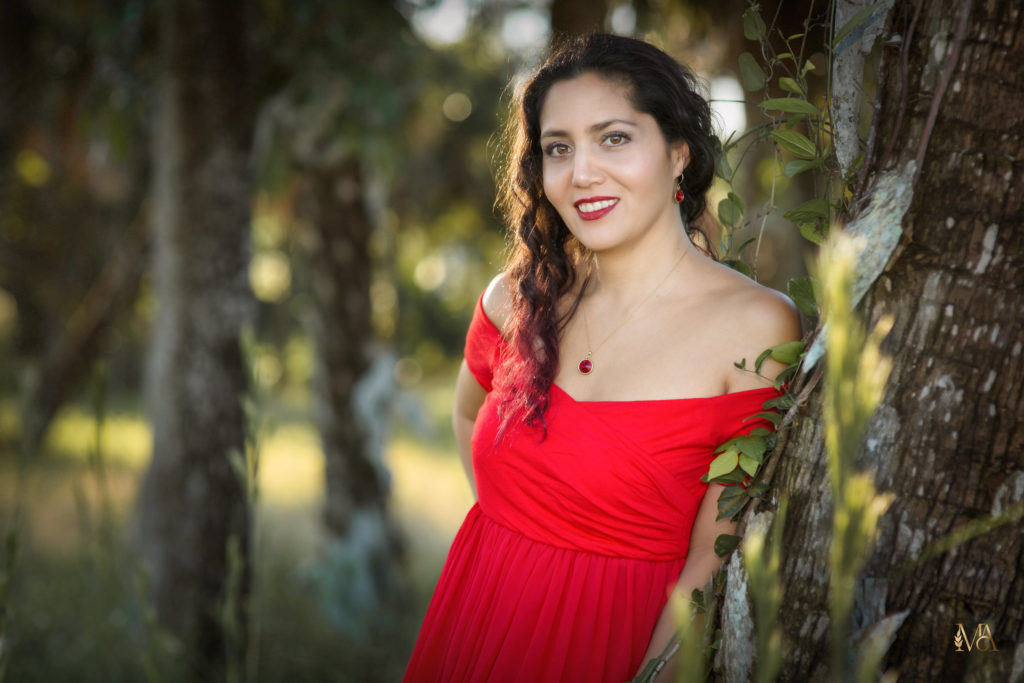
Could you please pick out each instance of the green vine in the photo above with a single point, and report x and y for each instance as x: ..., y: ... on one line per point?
x: 799, y: 131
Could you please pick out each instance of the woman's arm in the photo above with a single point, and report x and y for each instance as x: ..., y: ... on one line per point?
x: 701, y: 562
x: 469, y: 396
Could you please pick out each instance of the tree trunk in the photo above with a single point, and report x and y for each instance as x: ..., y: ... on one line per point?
x: 352, y: 394
x: 948, y: 438
x: 193, y: 502
x: 338, y: 129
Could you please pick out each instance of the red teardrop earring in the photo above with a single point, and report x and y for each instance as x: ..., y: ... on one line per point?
x: 679, y: 189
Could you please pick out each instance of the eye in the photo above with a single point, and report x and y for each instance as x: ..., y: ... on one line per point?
x: 556, y: 149
x: 616, y: 139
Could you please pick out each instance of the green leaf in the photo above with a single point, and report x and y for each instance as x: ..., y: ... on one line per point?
x: 808, y: 66
x: 811, y: 210
x: 805, y: 292
x: 722, y: 168
x: 761, y: 359
x: 757, y: 489
x: 784, y: 55
x: 748, y: 464
x: 853, y: 23
x: 725, y: 544
x: 779, y: 403
x: 763, y: 432
x: 728, y: 213
x: 740, y: 266
x: 724, y: 463
x: 739, y: 250
x: 739, y: 202
x: 753, y: 25
x: 742, y: 365
x: 719, y: 590
x: 730, y: 501
x: 751, y: 73
x: 797, y: 166
x: 730, y: 210
x: 733, y: 477
x: 774, y: 418
x: 751, y: 446
x: 795, y: 143
x: 792, y: 105
x: 790, y: 85
x: 784, y: 376
x: 814, y: 232
x: 787, y: 353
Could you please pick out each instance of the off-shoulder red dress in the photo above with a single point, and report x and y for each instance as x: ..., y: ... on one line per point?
x: 563, y: 566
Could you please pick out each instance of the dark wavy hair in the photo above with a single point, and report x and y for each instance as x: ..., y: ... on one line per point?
x: 544, y: 257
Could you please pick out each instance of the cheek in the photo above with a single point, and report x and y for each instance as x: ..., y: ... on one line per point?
x: 550, y: 181
x: 639, y: 170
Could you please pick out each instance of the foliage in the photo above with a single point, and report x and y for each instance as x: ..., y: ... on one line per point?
x: 799, y: 130
x: 855, y: 379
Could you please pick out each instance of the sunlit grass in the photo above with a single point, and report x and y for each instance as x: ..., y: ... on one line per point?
x: 126, y: 439
x: 291, y: 461
x: 292, y: 466
x: 429, y: 491
x: 430, y: 498
x: 62, y: 531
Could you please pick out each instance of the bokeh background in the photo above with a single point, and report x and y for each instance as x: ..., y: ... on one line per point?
x: 375, y: 131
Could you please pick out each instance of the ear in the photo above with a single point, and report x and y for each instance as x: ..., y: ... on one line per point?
x: 679, y: 152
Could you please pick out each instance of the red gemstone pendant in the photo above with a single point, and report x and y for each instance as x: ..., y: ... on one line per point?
x: 679, y: 195
x: 586, y: 366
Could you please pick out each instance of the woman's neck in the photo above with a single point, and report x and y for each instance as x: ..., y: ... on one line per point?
x: 623, y: 275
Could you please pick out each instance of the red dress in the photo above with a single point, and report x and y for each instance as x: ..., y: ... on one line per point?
x: 561, y: 569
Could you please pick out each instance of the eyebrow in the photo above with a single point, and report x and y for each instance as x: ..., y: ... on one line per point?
x: 592, y: 129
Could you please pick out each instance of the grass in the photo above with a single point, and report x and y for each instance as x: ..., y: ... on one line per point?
x: 75, y: 608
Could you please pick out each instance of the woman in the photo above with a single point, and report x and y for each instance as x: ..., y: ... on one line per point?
x: 597, y: 383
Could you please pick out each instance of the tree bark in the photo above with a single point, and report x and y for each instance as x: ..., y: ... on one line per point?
x: 338, y: 129
x: 353, y: 388
x: 948, y: 437
x: 193, y: 503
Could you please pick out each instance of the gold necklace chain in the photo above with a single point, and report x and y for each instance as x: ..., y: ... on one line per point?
x: 586, y: 365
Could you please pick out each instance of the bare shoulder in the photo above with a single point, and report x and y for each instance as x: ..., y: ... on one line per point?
x: 754, y: 318
x: 767, y: 316
x: 497, y: 300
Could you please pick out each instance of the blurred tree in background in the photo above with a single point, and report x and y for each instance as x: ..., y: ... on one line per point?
x: 194, y: 513
x: 73, y: 180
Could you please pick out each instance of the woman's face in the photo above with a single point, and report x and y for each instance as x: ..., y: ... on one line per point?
x: 607, y: 169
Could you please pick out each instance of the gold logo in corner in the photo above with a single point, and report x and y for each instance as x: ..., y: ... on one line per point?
x: 982, y: 639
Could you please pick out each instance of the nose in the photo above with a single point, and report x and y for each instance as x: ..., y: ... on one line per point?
x: 584, y: 171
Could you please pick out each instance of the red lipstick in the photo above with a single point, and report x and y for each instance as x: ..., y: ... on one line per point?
x: 592, y: 208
